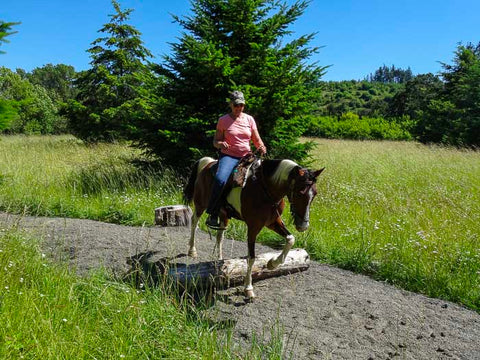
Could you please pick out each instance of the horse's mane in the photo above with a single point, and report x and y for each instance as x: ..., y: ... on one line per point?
x: 278, y: 170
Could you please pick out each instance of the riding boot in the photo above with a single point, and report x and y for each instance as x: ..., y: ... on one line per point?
x: 214, y: 204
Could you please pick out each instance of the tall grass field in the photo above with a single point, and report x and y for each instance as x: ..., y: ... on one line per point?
x: 401, y: 212
x: 404, y: 212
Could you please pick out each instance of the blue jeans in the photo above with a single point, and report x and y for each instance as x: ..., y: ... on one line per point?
x: 226, y: 164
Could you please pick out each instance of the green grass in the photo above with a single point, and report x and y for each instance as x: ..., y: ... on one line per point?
x: 403, y: 212
x: 60, y: 176
x: 48, y: 313
x: 399, y: 211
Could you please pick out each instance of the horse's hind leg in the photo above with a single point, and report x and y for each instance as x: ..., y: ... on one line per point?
x: 219, y: 244
x: 279, y: 228
x: 192, y: 251
x: 252, y: 236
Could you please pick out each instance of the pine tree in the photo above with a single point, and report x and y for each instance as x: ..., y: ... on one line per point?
x: 6, y: 30
x: 234, y: 45
x: 7, y: 110
x: 109, y: 93
x: 454, y: 116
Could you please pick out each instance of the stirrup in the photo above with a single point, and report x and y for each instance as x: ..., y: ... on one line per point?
x: 213, y: 223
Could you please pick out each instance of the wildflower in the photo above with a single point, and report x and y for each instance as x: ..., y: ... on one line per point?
x: 64, y: 320
x: 21, y: 280
x: 422, y: 235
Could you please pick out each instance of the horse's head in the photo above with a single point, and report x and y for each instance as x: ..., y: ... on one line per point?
x: 302, y: 191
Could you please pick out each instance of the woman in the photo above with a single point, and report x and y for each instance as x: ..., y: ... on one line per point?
x: 232, y: 138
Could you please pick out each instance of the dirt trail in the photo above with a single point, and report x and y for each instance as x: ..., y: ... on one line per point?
x: 325, y: 312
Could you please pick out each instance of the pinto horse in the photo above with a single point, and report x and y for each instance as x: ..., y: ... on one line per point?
x: 259, y: 203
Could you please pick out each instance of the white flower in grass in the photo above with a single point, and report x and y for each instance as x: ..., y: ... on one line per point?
x: 64, y: 320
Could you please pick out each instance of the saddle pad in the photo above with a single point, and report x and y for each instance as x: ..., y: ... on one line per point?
x: 234, y: 196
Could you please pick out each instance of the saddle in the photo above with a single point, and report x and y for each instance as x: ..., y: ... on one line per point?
x: 240, y: 173
x: 246, y: 167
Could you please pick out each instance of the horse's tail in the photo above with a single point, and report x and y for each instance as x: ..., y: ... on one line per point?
x: 189, y: 189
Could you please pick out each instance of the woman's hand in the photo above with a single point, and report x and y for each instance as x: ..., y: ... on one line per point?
x: 262, y: 149
x: 223, y: 145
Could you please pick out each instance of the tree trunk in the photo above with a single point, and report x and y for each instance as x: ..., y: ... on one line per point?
x: 173, y: 215
x: 224, y: 273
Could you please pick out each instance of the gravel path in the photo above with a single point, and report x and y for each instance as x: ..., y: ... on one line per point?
x: 324, y: 312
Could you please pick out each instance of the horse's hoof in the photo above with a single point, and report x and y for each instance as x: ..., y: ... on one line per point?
x: 270, y: 265
x: 192, y: 253
x: 250, y: 296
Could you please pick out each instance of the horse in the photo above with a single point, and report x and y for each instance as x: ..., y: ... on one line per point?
x: 259, y: 203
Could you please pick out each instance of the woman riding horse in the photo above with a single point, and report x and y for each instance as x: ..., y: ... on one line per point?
x: 259, y: 204
x: 232, y: 138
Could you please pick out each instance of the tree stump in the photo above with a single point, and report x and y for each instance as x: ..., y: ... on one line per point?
x: 173, y: 215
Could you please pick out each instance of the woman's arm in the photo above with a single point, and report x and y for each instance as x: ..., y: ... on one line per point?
x: 257, y: 141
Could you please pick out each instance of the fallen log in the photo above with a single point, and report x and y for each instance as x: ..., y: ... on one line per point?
x: 173, y: 215
x: 231, y: 272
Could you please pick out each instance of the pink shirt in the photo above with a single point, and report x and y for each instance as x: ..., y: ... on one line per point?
x: 237, y: 133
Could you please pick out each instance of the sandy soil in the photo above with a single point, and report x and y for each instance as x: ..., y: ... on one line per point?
x: 324, y: 312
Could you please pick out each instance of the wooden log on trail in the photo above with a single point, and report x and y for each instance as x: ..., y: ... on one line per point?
x: 231, y: 272
x: 173, y: 215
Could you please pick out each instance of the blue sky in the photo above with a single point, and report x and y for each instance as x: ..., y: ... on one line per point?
x: 356, y: 37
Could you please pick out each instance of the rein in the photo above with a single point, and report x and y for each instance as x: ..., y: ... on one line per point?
x: 275, y: 204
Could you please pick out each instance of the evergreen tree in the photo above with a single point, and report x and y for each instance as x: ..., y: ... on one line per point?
x: 6, y: 30
x: 417, y: 95
x: 109, y: 92
x: 385, y: 74
x: 454, y: 116
x: 7, y: 109
x: 227, y: 45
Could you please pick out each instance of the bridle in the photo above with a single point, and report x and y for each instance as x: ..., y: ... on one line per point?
x: 291, y: 198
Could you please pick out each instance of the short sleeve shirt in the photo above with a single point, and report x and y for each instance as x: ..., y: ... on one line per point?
x: 237, y: 133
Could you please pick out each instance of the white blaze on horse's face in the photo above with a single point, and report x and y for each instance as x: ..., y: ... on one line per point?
x: 301, y: 208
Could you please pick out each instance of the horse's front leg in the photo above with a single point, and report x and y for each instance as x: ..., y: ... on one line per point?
x: 252, y: 237
x: 192, y: 251
x: 279, y: 227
